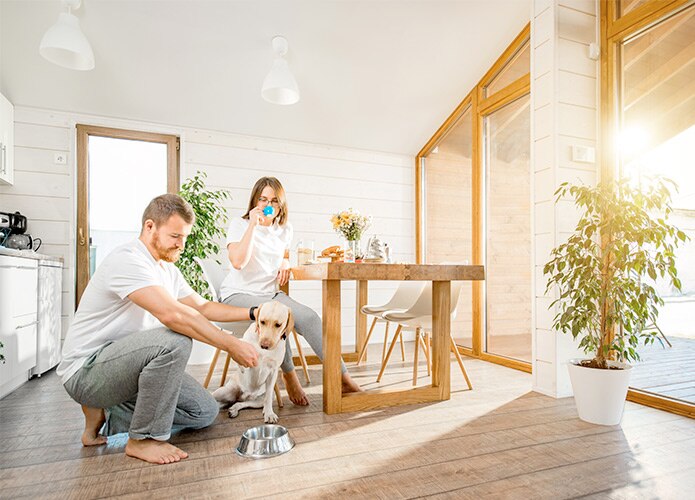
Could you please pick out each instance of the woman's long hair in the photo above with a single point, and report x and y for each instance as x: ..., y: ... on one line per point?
x: 261, y: 183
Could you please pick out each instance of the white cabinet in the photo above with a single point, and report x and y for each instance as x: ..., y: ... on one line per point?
x: 6, y: 141
x: 18, y: 320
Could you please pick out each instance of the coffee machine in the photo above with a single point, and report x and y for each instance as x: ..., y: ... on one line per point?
x: 13, y: 227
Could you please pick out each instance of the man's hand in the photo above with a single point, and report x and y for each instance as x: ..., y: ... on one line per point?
x: 242, y: 352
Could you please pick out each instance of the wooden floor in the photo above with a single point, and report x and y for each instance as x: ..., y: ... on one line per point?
x: 668, y: 371
x: 500, y: 440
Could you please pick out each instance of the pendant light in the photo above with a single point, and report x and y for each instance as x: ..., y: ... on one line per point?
x: 64, y: 43
x: 280, y: 87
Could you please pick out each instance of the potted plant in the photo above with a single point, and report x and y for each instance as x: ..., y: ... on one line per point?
x: 604, y: 275
x: 210, y: 224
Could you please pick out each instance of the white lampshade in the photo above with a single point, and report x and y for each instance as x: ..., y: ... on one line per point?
x: 64, y: 44
x: 280, y: 87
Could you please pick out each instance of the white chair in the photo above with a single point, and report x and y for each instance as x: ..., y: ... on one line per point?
x: 419, y: 317
x: 214, y: 275
x: 405, y: 296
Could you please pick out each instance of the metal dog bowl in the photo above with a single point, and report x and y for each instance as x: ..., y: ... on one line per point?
x: 264, y: 441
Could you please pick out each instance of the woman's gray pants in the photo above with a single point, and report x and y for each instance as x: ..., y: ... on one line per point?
x: 141, y: 383
x: 306, y: 322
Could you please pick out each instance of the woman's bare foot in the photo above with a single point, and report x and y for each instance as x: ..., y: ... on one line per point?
x: 294, y: 389
x: 93, y: 420
x: 153, y: 451
x: 349, y: 385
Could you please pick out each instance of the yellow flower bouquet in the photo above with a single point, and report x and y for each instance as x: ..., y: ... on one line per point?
x: 350, y: 224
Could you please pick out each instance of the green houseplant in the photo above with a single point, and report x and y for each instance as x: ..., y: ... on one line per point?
x: 210, y: 224
x: 604, y: 275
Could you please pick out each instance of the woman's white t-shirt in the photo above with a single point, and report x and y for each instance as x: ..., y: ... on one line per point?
x: 259, y: 275
x: 106, y: 314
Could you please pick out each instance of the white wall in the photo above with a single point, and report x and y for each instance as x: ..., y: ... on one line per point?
x: 564, y: 90
x: 319, y: 180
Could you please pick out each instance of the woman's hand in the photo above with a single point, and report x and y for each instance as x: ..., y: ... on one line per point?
x: 284, y: 272
x: 256, y: 216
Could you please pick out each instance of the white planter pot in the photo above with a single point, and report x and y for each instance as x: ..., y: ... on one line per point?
x: 599, y: 394
x: 201, y: 353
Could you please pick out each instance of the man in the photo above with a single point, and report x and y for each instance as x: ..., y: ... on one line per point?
x: 128, y: 345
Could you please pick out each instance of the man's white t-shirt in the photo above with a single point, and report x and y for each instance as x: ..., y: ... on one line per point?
x: 106, y: 314
x: 259, y: 275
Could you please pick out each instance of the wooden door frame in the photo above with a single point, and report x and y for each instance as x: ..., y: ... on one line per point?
x: 82, y: 228
x: 614, y: 30
x: 480, y: 105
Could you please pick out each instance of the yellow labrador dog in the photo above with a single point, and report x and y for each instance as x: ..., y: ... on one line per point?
x: 253, y: 387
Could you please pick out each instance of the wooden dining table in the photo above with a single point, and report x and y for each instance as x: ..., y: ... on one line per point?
x: 331, y: 276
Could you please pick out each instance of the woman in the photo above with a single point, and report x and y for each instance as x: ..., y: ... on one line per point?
x: 258, y: 247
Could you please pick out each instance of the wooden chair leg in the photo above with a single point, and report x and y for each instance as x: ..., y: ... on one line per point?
x: 420, y: 341
x: 388, y: 354
x: 278, y: 396
x: 415, y: 357
x: 226, y: 369
x: 302, y: 359
x: 386, y: 341
x: 460, y: 361
x: 213, y: 363
x: 402, y: 348
x: 428, y: 344
x: 366, y: 342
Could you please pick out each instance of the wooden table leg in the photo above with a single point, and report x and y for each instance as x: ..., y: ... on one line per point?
x: 332, y: 387
x: 441, y: 327
x: 362, y: 293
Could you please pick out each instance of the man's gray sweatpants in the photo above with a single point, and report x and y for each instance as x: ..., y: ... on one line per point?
x: 306, y: 322
x: 141, y: 383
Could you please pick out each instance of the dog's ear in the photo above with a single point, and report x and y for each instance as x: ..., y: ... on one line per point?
x: 290, y: 322
x: 258, y: 317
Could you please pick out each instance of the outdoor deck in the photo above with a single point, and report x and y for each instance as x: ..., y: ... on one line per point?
x: 668, y: 371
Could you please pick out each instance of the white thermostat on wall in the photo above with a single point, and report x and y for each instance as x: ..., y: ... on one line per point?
x: 583, y: 154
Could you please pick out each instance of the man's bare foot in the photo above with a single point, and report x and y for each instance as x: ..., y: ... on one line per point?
x: 153, y: 451
x: 349, y: 385
x: 294, y: 389
x: 93, y: 420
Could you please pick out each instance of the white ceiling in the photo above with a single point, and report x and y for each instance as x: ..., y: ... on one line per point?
x: 379, y: 75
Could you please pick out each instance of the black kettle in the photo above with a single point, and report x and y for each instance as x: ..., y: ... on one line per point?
x: 15, y: 222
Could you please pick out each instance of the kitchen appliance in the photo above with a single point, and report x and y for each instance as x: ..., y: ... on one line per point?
x: 15, y: 222
x: 22, y: 242
x: 13, y: 227
x: 49, y: 307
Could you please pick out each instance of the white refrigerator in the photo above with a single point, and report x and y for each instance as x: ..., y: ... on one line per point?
x: 49, y: 312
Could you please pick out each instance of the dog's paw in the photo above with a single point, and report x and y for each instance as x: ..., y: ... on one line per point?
x: 233, y: 412
x: 270, y: 418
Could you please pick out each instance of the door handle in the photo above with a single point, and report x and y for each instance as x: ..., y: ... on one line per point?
x: 81, y: 237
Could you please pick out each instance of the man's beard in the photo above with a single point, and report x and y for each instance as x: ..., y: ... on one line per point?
x: 166, y: 254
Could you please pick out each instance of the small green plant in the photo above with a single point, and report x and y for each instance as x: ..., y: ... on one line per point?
x: 605, y: 271
x: 210, y: 223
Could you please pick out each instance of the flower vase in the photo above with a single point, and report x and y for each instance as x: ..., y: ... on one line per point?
x: 352, y: 251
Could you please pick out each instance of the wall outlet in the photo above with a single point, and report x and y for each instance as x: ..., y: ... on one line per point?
x: 583, y: 154
x: 60, y: 158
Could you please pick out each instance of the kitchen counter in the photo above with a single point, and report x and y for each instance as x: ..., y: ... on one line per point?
x: 29, y: 254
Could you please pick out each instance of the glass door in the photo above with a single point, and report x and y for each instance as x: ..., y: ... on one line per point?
x: 119, y: 172
x: 447, y: 172
x: 657, y: 136
x: 508, y: 289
